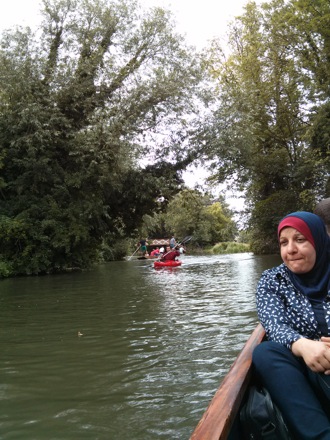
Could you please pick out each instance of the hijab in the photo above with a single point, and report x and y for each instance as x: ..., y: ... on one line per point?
x: 316, y: 283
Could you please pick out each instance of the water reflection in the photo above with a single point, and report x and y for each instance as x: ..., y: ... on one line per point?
x: 155, y: 346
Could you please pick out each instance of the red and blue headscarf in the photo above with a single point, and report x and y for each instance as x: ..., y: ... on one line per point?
x: 316, y: 283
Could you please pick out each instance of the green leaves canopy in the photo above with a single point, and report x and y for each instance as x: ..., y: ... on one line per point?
x: 192, y: 213
x: 269, y: 132
x: 81, y: 101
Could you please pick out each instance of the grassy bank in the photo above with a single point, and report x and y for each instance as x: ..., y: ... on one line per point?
x: 228, y: 247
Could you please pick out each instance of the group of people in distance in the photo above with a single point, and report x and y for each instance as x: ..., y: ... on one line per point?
x: 171, y: 252
x: 293, y: 305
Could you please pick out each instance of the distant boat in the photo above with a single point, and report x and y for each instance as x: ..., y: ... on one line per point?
x: 221, y: 419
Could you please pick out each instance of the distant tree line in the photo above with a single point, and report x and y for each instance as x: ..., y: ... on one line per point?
x: 192, y: 213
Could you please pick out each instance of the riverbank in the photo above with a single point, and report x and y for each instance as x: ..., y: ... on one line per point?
x: 228, y: 247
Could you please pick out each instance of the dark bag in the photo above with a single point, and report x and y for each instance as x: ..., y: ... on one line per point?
x: 261, y: 419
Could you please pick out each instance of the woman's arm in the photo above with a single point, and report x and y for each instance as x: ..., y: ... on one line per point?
x: 272, y: 311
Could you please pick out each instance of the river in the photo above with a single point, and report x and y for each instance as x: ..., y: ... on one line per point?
x: 123, y: 351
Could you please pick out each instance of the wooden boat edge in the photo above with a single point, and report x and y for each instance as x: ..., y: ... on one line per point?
x: 218, y: 418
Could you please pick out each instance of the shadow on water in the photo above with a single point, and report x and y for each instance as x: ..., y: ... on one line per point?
x: 123, y: 351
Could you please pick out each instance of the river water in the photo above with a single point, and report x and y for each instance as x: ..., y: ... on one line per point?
x: 123, y: 351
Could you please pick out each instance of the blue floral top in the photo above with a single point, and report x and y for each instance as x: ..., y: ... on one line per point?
x: 285, y: 313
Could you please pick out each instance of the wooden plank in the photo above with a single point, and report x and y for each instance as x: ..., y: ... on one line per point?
x: 218, y: 419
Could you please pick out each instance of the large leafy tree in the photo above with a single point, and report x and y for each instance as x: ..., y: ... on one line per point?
x: 260, y: 135
x: 312, y: 21
x: 193, y: 213
x: 100, y: 86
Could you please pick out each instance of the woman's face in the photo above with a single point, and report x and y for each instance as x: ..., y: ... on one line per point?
x: 297, y: 253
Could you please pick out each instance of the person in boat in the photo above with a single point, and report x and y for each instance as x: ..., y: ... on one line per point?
x: 172, y: 242
x: 155, y: 252
x: 322, y: 209
x: 143, y: 246
x: 293, y: 304
x: 182, y: 249
x: 170, y: 254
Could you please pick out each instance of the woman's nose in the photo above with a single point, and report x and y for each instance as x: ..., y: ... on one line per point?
x: 292, y: 246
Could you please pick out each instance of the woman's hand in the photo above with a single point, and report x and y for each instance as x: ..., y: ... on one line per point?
x: 316, y: 354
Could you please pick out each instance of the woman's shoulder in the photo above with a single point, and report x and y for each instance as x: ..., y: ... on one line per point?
x: 275, y: 271
x: 275, y: 279
x: 274, y: 274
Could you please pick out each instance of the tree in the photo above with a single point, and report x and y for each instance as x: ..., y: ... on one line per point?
x: 81, y: 100
x: 260, y: 134
x: 223, y: 227
x: 312, y: 21
x: 192, y: 213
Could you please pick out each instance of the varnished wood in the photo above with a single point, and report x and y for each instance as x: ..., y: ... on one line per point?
x: 218, y: 419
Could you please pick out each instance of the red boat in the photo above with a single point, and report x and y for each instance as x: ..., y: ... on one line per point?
x: 168, y: 263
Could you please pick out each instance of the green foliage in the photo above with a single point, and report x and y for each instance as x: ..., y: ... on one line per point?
x: 184, y: 214
x: 230, y: 248
x: 265, y: 218
x: 244, y: 236
x: 270, y: 132
x: 192, y: 213
x: 80, y: 101
x: 222, y: 227
x: 5, y: 269
x: 154, y: 225
x: 114, y: 248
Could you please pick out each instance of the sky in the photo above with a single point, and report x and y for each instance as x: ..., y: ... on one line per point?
x: 198, y: 20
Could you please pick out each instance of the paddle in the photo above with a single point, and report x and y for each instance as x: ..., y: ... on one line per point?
x: 185, y: 240
x: 134, y: 253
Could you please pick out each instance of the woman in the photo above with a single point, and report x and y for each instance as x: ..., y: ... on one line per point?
x: 293, y: 303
